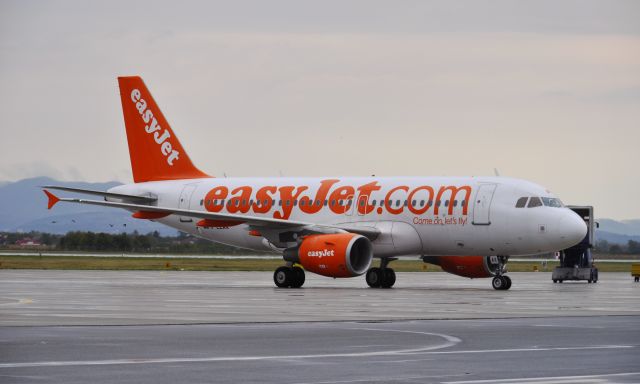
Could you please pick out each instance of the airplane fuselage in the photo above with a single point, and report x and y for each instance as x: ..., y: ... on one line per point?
x: 415, y: 215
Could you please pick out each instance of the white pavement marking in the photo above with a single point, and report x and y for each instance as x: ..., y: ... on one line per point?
x: 525, y: 350
x: 413, y: 351
x: 449, y: 341
x: 551, y: 379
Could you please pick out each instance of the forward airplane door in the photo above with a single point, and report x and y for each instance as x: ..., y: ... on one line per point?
x: 482, y: 204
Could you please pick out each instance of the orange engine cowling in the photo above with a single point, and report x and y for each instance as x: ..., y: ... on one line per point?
x: 335, y: 255
x: 465, y: 266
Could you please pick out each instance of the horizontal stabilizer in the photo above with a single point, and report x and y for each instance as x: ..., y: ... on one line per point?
x: 53, y: 199
x: 132, y: 198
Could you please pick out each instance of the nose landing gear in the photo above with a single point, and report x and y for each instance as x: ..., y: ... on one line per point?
x: 501, y: 283
x: 498, y: 266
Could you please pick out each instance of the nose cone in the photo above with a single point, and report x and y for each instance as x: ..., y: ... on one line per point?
x: 572, y: 229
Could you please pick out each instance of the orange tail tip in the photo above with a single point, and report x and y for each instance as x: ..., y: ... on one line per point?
x: 53, y: 199
x: 155, y: 151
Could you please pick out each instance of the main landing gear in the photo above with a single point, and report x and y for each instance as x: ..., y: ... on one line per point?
x: 382, y: 277
x: 289, y: 277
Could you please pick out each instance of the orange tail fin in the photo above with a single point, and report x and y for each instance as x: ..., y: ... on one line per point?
x: 156, y: 154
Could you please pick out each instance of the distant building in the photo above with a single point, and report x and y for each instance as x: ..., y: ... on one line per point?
x: 28, y: 242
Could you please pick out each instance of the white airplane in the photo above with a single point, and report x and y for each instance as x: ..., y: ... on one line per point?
x: 335, y: 226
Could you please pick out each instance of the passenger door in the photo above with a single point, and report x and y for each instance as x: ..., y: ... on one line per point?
x: 482, y: 204
x: 185, y: 201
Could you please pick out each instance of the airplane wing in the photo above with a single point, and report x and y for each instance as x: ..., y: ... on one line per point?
x: 150, y: 212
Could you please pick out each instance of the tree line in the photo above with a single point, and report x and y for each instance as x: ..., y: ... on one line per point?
x: 133, y: 242
x: 632, y: 247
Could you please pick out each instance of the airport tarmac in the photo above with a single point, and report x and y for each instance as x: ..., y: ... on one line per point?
x: 234, y: 327
x: 34, y: 297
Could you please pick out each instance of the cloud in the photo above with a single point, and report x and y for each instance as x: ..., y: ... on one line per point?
x: 545, y: 91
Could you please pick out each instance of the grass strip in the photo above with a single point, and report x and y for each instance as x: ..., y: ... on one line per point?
x: 257, y: 264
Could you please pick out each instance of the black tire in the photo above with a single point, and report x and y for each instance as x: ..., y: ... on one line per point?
x: 560, y: 281
x: 388, y: 278
x: 507, y: 279
x: 298, y: 277
x: 555, y: 281
x: 498, y: 283
x: 374, y: 277
x: 637, y: 279
x: 283, y: 277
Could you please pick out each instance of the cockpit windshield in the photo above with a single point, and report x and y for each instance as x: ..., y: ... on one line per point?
x: 552, y: 202
x: 535, y: 201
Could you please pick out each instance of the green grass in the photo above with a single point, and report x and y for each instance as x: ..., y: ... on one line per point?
x: 187, y: 264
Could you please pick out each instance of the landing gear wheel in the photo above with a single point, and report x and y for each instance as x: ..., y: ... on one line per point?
x: 374, y: 277
x: 555, y: 281
x: 498, y: 283
x: 507, y: 279
x: 298, y: 277
x: 388, y: 278
x: 283, y: 277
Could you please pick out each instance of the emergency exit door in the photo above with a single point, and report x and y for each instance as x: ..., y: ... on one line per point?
x: 482, y: 204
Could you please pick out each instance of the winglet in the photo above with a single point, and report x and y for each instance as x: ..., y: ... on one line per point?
x: 53, y: 199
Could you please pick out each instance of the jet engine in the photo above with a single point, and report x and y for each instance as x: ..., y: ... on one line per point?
x: 333, y: 255
x: 467, y: 266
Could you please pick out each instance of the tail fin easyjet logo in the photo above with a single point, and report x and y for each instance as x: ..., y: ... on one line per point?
x: 160, y: 136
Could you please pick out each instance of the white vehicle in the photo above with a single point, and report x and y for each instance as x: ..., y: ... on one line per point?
x: 336, y: 226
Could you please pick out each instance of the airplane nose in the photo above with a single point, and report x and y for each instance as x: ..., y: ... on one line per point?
x: 572, y: 228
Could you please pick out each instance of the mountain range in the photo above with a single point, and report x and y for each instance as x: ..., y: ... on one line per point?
x: 23, y: 208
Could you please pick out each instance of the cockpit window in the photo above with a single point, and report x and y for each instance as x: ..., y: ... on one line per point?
x: 552, y: 202
x: 522, y: 202
x: 534, y: 202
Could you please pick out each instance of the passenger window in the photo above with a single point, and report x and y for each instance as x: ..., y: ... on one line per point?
x: 397, y: 203
x: 373, y: 203
x: 522, y: 202
x: 455, y: 203
x: 446, y: 203
x: 422, y: 203
x: 534, y: 202
x: 302, y: 203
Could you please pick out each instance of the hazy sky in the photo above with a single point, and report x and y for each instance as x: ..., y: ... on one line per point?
x: 547, y: 91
